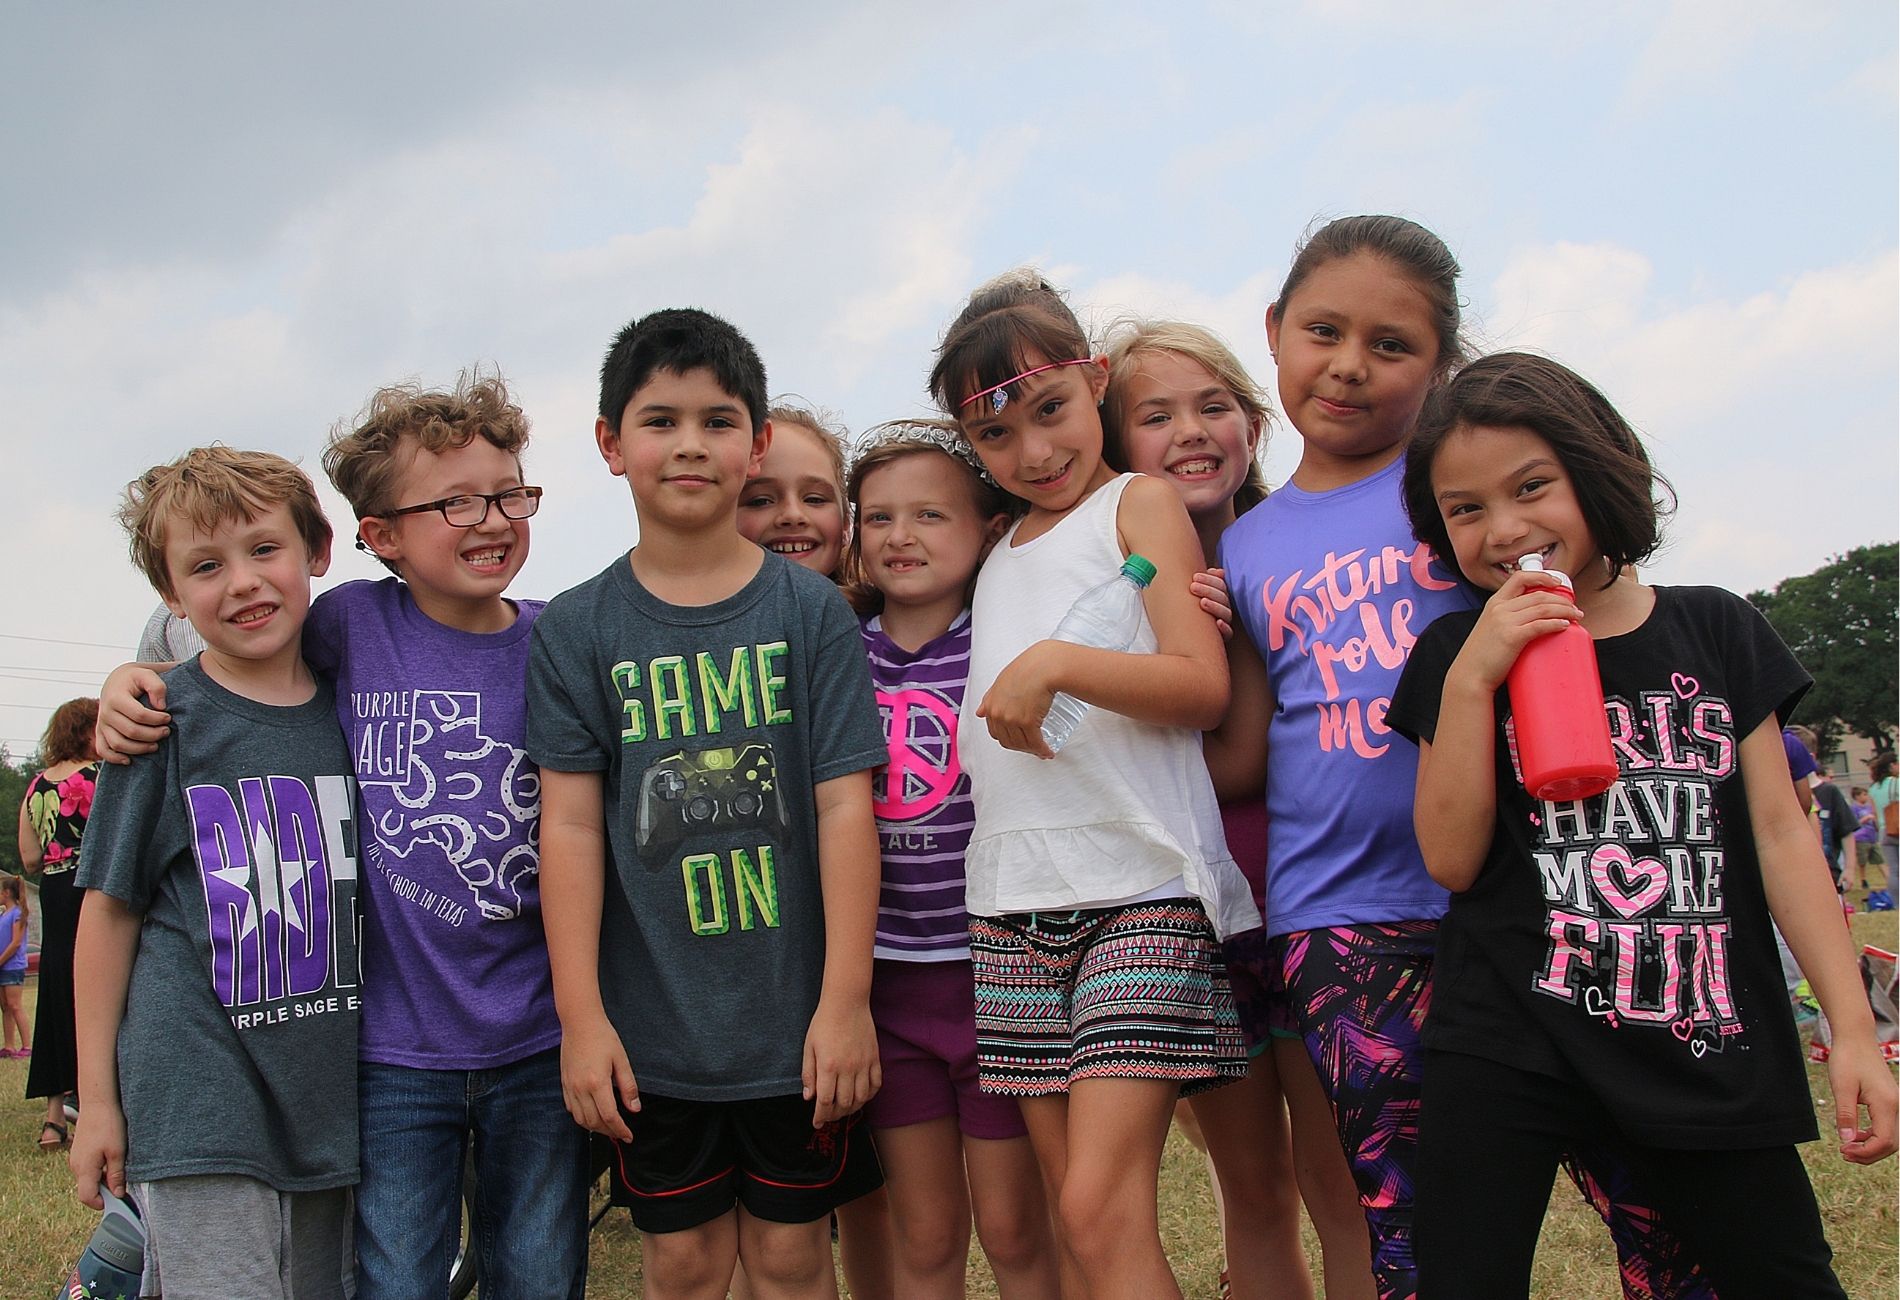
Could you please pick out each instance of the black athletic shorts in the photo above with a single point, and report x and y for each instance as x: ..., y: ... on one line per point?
x: 692, y: 1161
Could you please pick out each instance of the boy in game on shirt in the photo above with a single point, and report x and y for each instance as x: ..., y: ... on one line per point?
x: 704, y: 721
x: 217, y: 1018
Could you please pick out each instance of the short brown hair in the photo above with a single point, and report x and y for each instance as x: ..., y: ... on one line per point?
x: 364, y: 462
x: 1130, y: 340
x: 208, y: 486
x: 68, y: 737
x: 1622, y: 497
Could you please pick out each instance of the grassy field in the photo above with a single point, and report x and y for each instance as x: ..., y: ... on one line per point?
x: 42, y: 1228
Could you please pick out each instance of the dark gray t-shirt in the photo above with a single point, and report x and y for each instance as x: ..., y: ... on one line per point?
x: 711, y: 725
x: 237, y: 843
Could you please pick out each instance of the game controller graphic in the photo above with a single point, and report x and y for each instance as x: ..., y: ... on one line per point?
x: 706, y: 792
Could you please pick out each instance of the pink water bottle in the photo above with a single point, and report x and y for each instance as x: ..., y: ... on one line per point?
x: 1563, y: 734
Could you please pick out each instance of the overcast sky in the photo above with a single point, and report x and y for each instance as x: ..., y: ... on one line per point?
x: 231, y: 222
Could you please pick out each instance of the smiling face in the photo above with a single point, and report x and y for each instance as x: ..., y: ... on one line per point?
x: 1183, y: 425
x: 245, y: 587
x: 457, y: 575
x: 686, y: 447
x: 1503, y: 493
x: 1357, y: 351
x: 921, y: 533
x: 1045, y: 445
x: 794, y: 505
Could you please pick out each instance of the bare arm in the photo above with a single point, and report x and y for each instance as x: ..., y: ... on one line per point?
x: 129, y: 724
x: 841, y: 1070
x: 107, y: 941
x: 1182, y: 684
x: 1801, y: 897
x: 596, y: 1075
x: 1236, y: 750
x: 1454, y: 809
x: 32, y: 857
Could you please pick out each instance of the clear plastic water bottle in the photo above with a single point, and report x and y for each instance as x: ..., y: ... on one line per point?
x: 114, y: 1257
x: 1563, y: 733
x: 1106, y: 617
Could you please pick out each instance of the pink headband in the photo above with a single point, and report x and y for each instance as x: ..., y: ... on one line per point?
x: 999, y: 399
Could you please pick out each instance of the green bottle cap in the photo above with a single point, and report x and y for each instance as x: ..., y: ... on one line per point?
x: 1139, y: 569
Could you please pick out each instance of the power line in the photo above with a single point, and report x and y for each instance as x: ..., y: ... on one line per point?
x: 50, y: 640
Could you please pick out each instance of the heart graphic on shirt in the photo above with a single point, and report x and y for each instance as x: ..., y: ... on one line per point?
x: 1630, y: 885
x: 1687, y: 687
x: 1595, y: 1003
x: 1698, y: 1049
x: 1683, y: 1028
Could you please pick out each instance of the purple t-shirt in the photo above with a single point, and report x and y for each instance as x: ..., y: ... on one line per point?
x: 455, y: 962
x: 11, y: 920
x: 922, y: 796
x: 1334, y: 590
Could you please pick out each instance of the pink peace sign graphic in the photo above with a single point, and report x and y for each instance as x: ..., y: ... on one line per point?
x: 923, y: 767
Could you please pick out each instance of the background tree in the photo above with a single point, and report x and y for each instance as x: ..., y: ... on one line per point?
x: 13, y: 779
x: 1841, y: 623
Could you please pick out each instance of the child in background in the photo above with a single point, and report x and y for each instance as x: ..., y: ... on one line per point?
x: 1098, y: 884
x: 794, y: 507
x: 706, y: 731
x: 1609, y: 970
x: 460, y: 1044
x: 13, y: 928
x: 925, y: 516
x: 1182, y: 408
x: 217, y: 1015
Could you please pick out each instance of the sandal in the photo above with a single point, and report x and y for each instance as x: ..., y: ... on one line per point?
x: 59, y: 1137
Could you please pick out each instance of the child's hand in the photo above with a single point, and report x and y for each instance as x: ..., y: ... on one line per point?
x: 98, y: 1152
x: 841, y: 1070
x: 1018, y: 700
x: 1859, y: 1077
x: 1516, y: 615
x: 1210, y: 586
x: 126, y: 726
x: 597, y: 1078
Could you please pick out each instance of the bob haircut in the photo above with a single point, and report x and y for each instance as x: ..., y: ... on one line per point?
x: 1130, y: 340
x: 1622, y: 497
x: 1014, y: 322
x: 898, y: 440
x: 68, y: 737
x: 209, y: 486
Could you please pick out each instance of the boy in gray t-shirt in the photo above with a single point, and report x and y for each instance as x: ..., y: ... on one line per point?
x: 217, y: 1021
x: 703, y: 718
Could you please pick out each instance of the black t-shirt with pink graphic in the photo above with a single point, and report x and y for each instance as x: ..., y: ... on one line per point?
x: 1624, y: 941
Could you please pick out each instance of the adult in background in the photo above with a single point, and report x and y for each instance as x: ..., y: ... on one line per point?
x: 52, y: 820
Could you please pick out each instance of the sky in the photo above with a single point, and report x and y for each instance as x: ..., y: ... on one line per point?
x: 233, y: 222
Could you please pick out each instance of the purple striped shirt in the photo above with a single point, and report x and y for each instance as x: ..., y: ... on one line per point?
x: 921, y: 797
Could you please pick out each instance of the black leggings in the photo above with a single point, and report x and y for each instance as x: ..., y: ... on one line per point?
x: 1490, y: 1139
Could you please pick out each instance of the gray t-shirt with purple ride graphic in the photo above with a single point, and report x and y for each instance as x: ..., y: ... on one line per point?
x: 236, y: 841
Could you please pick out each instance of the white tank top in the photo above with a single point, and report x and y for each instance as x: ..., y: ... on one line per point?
x: 1126, y: 807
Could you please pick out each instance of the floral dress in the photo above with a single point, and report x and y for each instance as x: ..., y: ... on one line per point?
x: 57, y: 813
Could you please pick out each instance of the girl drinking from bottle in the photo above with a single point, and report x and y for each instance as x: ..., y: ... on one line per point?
x: 1608, y: 971
x: 1097, y: 880
x: 925, y: 516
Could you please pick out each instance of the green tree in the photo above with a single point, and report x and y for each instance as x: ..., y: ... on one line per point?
x: 13, y: 779
x: 1841, y: 623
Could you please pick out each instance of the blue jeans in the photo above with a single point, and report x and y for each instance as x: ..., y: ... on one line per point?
x: 530, y: 1217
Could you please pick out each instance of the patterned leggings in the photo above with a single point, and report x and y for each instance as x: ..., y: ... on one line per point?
x: 1357, y: 996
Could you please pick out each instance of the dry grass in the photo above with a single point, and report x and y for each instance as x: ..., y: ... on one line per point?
x: 42, y: 1228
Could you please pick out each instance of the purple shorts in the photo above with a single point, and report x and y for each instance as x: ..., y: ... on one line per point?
x: 925, y: 1012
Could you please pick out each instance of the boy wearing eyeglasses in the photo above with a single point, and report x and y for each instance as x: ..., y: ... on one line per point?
x: 460, y: 1041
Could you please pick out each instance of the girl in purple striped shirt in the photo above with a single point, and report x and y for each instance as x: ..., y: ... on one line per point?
x: 926, y: 516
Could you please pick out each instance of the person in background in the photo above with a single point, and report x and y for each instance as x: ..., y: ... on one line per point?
x: 1866, y: 834
x: 13, y: 925
x: 167, y: 639
x: 52, y: 822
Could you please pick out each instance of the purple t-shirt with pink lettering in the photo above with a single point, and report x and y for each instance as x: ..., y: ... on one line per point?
x: 922, y: 796
x: 1334, y: 590
x: 455, y: 960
